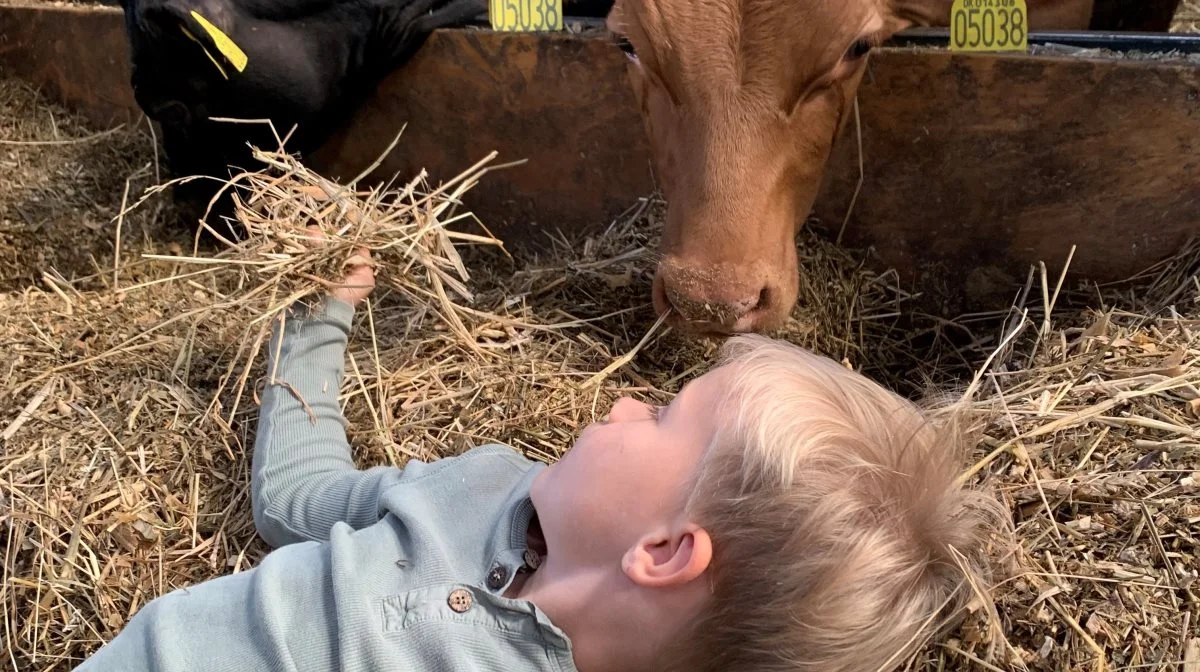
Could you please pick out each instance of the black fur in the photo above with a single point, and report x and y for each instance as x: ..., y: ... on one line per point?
x: 310, y: 64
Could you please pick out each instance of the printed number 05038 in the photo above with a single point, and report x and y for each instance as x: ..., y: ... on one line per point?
x: 989, y: 28
x: 526, y: 15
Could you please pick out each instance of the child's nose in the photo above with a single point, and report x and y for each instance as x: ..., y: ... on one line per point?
x: 626, y: 408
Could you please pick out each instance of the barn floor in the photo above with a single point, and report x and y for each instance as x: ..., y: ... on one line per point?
x: 126, y: 436
x: 61, y: 184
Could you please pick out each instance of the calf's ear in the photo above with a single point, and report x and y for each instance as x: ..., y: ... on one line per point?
x: 207, y: 20
x: 169, y: 15
x: 205, y: 23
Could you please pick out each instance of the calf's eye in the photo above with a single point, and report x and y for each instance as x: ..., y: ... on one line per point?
x: 627, y: 47
x: 859, y: 49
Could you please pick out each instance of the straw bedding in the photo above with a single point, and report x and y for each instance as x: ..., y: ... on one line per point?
x: 60, y: 185
x: 128, y: 414
x: 1187, y: 17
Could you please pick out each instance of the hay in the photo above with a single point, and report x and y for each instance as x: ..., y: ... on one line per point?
x: 60, y: 186
x: 1187, y: 20
x: 1096, y: 424
x: 129, y: 414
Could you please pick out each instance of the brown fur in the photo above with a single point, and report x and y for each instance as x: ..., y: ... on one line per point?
x: 742, y: 100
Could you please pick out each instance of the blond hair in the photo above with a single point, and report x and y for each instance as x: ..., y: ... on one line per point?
x: 841, y: 538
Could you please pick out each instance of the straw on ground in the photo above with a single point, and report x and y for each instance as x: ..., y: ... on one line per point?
x: 128, y: 422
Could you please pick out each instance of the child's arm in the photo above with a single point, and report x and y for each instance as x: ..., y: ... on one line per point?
x: 304, y: 479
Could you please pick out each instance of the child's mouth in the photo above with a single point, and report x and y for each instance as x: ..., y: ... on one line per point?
x: 535, y: 553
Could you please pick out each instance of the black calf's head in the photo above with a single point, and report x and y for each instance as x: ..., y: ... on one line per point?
x: 182, y: 57
x: 195, y: 60
x: 304, y: 65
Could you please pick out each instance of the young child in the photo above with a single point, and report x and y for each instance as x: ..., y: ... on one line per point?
x: 781, y: 513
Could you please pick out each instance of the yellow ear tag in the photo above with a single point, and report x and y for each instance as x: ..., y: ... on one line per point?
x: 205, y: 49
x: 526, y: 16
x: 989, y: 25
x: 228, y: 49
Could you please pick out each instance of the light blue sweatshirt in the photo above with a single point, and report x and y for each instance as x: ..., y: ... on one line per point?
x: 378, y: 570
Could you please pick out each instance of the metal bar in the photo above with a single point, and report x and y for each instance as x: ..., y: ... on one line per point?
x: 1114, y: 41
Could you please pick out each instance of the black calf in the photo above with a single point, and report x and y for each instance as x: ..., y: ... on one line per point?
x: 302, y: 63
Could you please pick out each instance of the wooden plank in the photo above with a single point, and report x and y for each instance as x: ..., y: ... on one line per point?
x: 985, y: 165
x: 976, y: 165
x: 561, y: 102
x: 77, y: 55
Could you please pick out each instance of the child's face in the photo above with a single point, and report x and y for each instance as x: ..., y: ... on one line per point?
x: 626, y: 476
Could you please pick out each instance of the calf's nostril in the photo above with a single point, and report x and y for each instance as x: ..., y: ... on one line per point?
x: 715, y: 296
x: 764, y: 299
x: 659, y: 295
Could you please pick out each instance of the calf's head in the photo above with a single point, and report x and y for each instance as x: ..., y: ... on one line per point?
x: 742, y: 100
x: 184, y: 74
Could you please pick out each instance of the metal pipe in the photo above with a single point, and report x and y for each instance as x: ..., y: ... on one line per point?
x: 1084, y: 39
x: 940, y: 37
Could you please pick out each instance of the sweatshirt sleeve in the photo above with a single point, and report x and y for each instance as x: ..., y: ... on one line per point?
x: 303, y: 478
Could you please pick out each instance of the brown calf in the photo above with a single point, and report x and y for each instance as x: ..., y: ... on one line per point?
x: 742, y: 100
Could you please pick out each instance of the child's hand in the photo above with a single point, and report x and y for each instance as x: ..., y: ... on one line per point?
x: 359, y: 278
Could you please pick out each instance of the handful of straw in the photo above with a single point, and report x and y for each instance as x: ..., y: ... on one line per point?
x: 302, y: 230
x: 281, y: 207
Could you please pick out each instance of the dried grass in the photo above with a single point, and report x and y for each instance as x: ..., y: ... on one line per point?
x: 128, y: 417
x: 60, y: 186
x: 1187, y: 18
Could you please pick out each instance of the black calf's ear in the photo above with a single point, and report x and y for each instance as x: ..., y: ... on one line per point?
x: 224, y: 44
x: 205, y: 23
x: 168, y: 16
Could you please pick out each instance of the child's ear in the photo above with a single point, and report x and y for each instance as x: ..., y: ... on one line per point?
x: 669, y: 558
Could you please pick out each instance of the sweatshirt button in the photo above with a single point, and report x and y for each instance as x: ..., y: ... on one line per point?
x: 460, y: 600
x: 497, y: 577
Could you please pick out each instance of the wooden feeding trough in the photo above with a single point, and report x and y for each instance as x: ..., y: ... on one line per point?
x: 973, y: 166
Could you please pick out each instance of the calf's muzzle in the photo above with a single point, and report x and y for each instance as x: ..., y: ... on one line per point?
x: 724, y: 298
